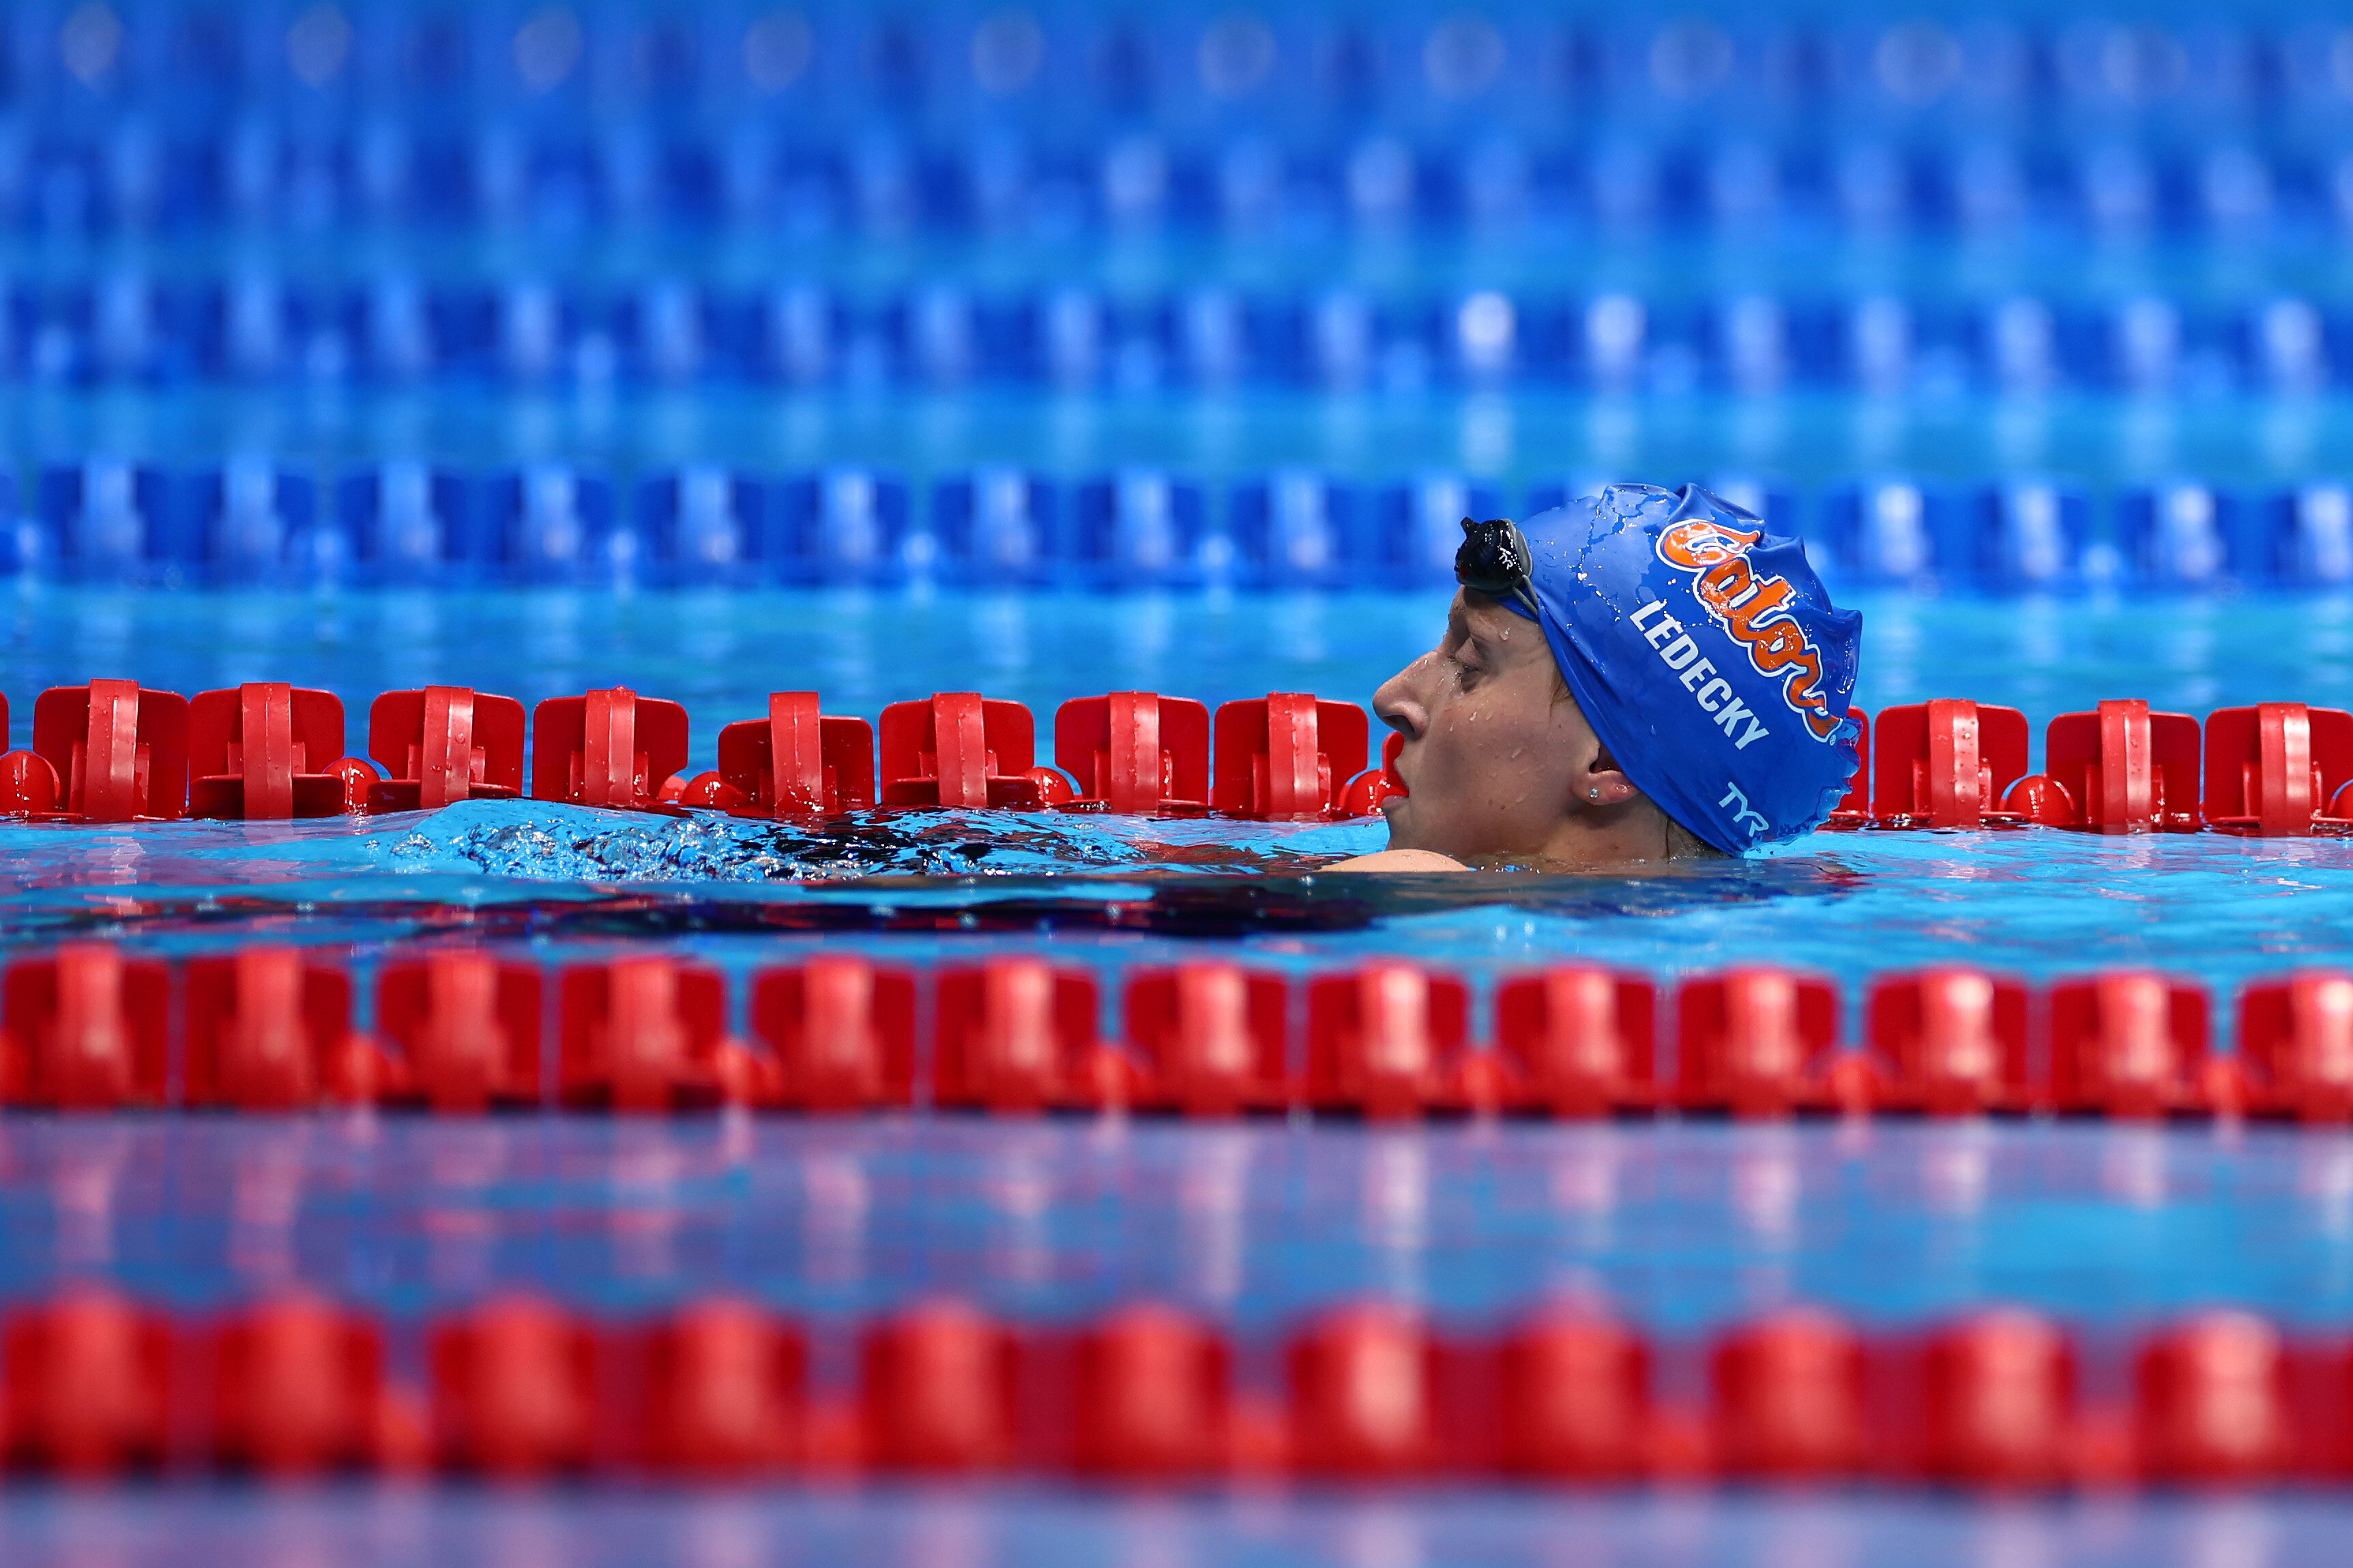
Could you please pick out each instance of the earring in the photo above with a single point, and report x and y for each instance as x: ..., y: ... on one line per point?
x: 1595, y: 792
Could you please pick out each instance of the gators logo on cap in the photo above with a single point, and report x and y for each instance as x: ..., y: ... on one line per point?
x: 1753, y: 610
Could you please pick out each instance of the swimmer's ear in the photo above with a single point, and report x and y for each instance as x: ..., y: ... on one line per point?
x: 1603, y: 783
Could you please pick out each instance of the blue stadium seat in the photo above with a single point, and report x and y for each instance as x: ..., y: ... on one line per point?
x: 546, y: 523
x: 1893, y: 532
x: 92, y: 520
x: 998, y: 526
x: 1416, y: 526
x: 1299, y: 529
x: 2028, y: 536
x: 801, y: 329
x: 2309, y: 536
x: 701, y: 524
x: 107, y: 520
x: 1138, y: 529
x: 404, y: 522
x: 664, y: 332
x: 536, y: 327
x: 842, y: 527
x: 2186, y: 534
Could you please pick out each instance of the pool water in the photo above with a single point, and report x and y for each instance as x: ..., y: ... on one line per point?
x: 2047, y: 281
x: 1684, y: 1227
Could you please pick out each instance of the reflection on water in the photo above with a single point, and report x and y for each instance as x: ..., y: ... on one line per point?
x: 1681, y: 1226
x: 987, y: 1526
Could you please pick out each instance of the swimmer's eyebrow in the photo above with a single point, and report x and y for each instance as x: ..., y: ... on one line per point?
x: 1460, y: 628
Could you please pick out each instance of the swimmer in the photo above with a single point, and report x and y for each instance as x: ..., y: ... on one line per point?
x: 1641, y: 676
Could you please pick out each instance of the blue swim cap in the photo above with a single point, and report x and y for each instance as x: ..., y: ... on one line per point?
x: 1705, y: 656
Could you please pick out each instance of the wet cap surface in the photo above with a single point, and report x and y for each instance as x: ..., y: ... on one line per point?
x: 1705, y: 654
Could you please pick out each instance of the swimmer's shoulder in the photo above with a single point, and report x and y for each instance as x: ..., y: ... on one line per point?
x: 1399, y: 860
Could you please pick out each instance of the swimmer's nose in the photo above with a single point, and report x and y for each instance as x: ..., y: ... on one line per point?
x: 1396, y: 705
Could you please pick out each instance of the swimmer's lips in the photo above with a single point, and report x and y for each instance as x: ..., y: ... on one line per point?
x: 1389, y: 750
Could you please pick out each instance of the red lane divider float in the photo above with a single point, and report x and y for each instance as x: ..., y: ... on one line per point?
x: 1949, y: 1042
x: 2130, y: 1045
x: 1287, y: 757
x: 2279, y: 770
x: 467, y: 1029
x: 650, y: 1034
x: 841, y: 1033
x: 960, y: 749
x: 110, y: 752
x: 88, y: 1027
x: 2296, y: 1046
x: 610, y: 748
x: 106, y: 752
x: 265, y: 752
x: 1790, y: 1400
x: 1755, y: 1042
x: 1135, y: 753
x: 2120, y: 769
x: 443, y: 745
x: 94, y: 1385
x: 1017, y: 1035
x: 85, y: 1029
x: 797, y: 762
x: 269, y: 1031
x: 1576, y: 1041
x: 939, y: 1391
x: 1944, y: 763
x: 1210, y: 1039
x: 1390, y: 1042
x: 1989, y: 1400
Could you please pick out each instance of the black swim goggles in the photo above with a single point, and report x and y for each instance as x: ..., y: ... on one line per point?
x: 1494, y: 560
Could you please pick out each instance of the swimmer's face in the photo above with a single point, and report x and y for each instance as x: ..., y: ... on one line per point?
x: 1496, y: 758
